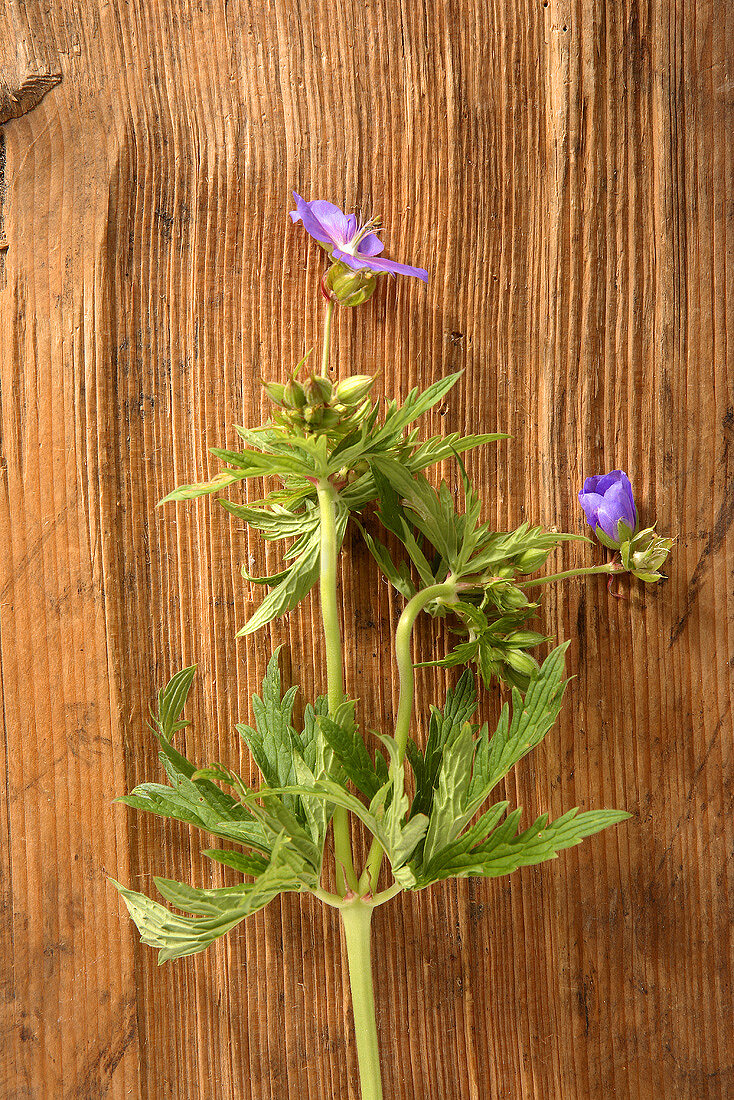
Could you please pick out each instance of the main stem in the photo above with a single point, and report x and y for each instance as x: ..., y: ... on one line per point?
x: 329, y: 602
x: 356, y: 919
x: 345, y: 875
x: 356, y: 915
x: 406, y: 674
x: 334, y: 672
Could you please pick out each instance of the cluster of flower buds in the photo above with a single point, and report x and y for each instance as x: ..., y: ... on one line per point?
x: 505, y: 643
x: 319, y: 405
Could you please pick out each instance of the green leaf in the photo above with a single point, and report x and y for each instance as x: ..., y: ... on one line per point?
x: 543, y: 841
x: 444, y: 725
x: 437, y: 448
x: 275, y: 521
x: 398, y: 576
x: 532, y: 717
x: 202, y: 903
x: 172, y: 700
x: 274, y: 742
x: 316, y: 811
x: 392, y: 517
x: 218, y: 911
x: 398, y: 836
x: 396, y: 419
x: 346, y: 742
x: 278, y: 821
x: 195, y: 801
x: 246, y: 864
x: 311, y: 736
x: 505, y: 850
x: 447, y: 813
x: 384, y: 817
x: 295, y: 584
x: 431, y: 512
x: 205, y: 488
x: 176, y: 936
x: 297, y: 581
x: 457, y: 858
x: 216, y: 809
x: 331, y: 791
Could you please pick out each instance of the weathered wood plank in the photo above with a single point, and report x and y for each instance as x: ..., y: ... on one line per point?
x: 564, y: 170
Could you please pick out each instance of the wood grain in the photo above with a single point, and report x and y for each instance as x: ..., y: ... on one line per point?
x: 564, y: 169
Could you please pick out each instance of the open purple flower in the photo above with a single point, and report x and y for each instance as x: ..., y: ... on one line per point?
x: 355, y: 246
x: 608, y: 502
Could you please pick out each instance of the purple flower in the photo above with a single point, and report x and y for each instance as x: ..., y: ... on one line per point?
x: 608, y: 502
x: 351, y: 244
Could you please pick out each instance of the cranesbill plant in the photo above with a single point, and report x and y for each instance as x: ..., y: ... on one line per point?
x: 338, y: 459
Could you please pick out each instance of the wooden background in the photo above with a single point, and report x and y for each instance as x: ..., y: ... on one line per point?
x: 564, y: 169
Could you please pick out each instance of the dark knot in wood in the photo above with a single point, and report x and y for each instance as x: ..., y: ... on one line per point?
x: 17, y: 101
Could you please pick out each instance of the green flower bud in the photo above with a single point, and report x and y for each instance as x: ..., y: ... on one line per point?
x: 508, y: 597
x: 353, y: 389
x: 531, y: 560
x: 318, y: 391
x: 329, y: 418
x: 294, y: 395
x: 350, y: 391
x: 275, y: 392
x: 524, y: 638
x: 350, y: 288
x: 521, y: 662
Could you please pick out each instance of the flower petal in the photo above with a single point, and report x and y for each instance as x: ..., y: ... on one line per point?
x: 377, y: 264
x: 591, y: 483
x: 618, y: 497
x: 591, y: 502
x: 325, y: 222
x: 608, y: 518
x: 605, y: 481
x: 370, y: 245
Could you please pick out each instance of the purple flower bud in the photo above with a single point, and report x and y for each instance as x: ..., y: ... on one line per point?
x: 608, y: 502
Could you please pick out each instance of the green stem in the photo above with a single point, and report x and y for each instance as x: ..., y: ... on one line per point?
x: 356, y: 919
x: 386, y: 895
x: 327, y: 338
x: 334, y: 671
x: 610, y: 567
x: 334, y: 900
x: 404, y: 659
x: 329, y: 601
